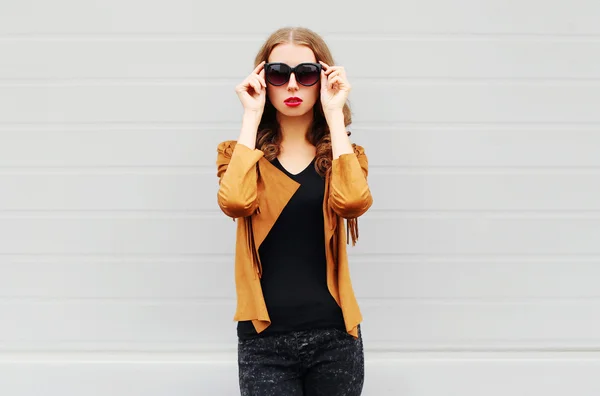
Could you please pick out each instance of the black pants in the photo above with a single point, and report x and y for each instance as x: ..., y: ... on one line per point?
x: 302, y: 363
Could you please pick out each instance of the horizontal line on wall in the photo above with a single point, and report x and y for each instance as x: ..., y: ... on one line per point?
x: 231, y: 82
x: 178, y: 170
x: 373, y: 214
x: 328, y: 36
x: 535, y: 350
x: 93, y: 352
x: 215, y: 354
x: 365, y: 301
x: 234, y: 127
x: 387, y: 258
x: 365, y: 257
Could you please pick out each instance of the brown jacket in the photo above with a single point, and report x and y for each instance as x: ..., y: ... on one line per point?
x: 254, y: 191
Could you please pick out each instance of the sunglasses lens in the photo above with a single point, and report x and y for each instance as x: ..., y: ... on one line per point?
x: 277, y: 74
x: 307, y: 74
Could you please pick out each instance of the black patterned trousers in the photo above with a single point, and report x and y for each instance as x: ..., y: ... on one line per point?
x: 327, y: 362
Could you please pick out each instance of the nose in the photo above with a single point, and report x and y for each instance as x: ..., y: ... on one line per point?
x: 292, y: 84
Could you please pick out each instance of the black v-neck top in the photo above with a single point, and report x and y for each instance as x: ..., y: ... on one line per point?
x: 294, y: 277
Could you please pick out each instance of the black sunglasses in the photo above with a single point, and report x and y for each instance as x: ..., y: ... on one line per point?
x: 306, y: 73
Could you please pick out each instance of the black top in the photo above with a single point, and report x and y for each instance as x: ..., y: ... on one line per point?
x: 294, y: 268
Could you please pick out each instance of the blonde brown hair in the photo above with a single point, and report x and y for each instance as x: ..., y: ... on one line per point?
x: 268, y: 138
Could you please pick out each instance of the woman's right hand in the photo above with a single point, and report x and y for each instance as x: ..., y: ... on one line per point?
x: 253, y: 90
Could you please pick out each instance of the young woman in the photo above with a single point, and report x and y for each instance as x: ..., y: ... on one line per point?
x: 291, y: 179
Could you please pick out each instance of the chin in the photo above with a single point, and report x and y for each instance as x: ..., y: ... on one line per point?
x: 295, y: 111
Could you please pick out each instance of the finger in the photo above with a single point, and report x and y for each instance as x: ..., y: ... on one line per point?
x: 257, y: 68
x: 253, y: 81
x: 332, y: 69
x: 242, y: 87
x: 256, y: 85
x: 262, y: 77
x: 260, y: 81
x: 335, y: 70
x: 332, y: 73
x: 250, y: 83
x: 243, y: 91
x: 324, y: 65
x: 334, y: 80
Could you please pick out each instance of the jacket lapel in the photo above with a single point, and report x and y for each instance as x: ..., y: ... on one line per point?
x: 275, y: 189
x: 330, y: 218
x: 328, y: 214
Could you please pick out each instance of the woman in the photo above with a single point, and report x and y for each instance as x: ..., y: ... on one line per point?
x: 290, y: 180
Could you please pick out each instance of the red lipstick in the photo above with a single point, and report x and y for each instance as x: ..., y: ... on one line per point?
x: 293, y: 101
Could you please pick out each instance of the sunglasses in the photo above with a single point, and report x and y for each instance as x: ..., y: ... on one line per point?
x: 306, y: 73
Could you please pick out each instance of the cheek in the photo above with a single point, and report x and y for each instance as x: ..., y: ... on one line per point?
x: 314, y: 93
x: 275, y: 92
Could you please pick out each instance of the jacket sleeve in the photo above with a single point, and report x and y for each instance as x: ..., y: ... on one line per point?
x: 236, y: 170
x: 349, y: 194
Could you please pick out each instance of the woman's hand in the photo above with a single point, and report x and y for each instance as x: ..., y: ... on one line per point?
x: 253, y: 90
x: 334, y: 88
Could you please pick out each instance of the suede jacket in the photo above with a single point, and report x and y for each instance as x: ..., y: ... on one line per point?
x: 254, y: 191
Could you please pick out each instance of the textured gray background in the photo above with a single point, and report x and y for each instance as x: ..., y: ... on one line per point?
x: 478, y: 264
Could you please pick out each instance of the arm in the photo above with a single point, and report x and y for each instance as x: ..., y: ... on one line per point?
x: 349, y: 194
x: 236, y: 169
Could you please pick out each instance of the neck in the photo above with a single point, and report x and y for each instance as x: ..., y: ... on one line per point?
x: 294, y: 128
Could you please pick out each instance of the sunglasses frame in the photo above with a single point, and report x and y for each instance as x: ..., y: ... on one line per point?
x: 292, y: 70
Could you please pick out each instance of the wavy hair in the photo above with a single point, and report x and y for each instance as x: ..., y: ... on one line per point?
x: 268, y: 138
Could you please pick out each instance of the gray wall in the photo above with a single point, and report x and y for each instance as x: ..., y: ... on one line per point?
x: 477, y: 267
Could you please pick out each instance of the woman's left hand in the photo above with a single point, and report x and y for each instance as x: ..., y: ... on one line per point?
x: 334, y: 88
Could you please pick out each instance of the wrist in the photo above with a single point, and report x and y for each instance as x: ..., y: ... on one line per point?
x: 335, y: 121
x: 252, y: 117
x: 335, y: 113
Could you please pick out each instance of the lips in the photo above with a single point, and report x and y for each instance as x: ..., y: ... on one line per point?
x: 293, y: 99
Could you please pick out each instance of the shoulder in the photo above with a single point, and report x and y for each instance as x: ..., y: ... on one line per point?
x: 226, y: 147
x: 358, y: 150
x: 363, y: 160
